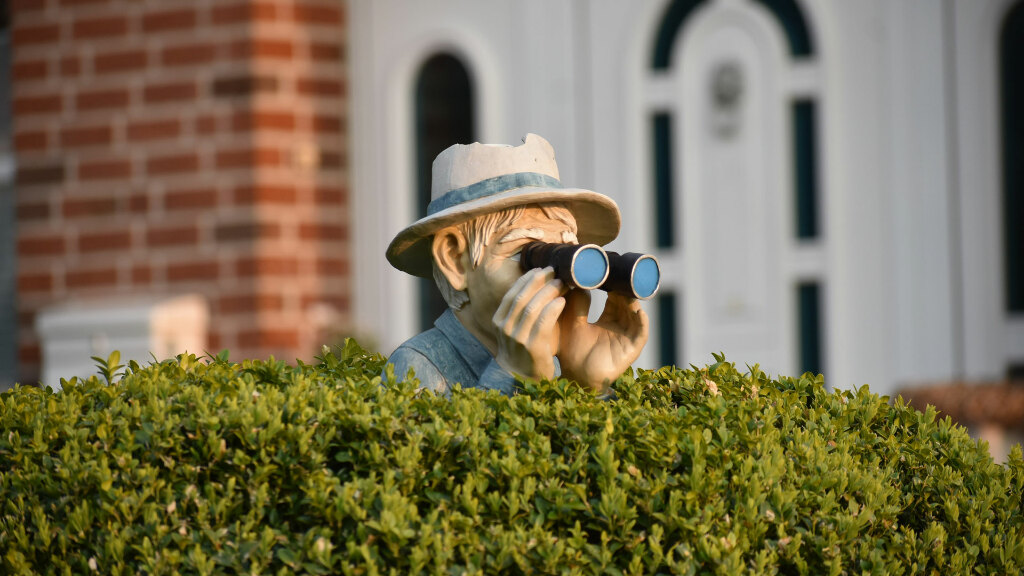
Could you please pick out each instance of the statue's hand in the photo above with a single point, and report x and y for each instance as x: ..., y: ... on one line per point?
x: 596, y: 354
x: 527, y: 324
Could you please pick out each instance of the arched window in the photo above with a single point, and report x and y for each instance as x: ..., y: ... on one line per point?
x: 787, y: 12
x: 444, y: 116
x: 1011, y: 57
x: 789, y: 15
x: 671, y: 25
x: 803, y: 120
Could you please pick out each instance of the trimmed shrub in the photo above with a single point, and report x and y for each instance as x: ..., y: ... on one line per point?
x: 216, y: 467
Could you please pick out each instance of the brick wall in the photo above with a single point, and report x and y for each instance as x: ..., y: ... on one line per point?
x: 172, y: 147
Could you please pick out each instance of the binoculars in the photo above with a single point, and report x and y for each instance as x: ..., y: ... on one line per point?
x: 588, y: 266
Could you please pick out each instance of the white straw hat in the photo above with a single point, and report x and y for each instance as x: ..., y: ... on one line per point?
x: 474, y: 179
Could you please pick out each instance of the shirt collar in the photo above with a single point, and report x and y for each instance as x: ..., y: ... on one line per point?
x: 476, y: 356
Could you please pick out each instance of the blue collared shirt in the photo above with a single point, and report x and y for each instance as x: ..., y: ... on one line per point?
x: 448, y: 354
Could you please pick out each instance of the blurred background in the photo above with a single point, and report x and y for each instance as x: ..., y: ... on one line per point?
x: 835, y: 187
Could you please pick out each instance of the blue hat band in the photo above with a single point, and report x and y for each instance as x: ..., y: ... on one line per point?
x: 490, y: 187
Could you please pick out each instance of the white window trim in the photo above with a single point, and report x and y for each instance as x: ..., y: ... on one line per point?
x: 384, y: 168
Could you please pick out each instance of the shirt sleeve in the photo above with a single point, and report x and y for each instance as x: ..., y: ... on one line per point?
x: 405, y: 358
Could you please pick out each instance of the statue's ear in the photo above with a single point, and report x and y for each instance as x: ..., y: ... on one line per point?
x: 451, y: 254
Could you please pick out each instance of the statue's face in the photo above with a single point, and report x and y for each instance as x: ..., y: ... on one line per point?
x: 499, y: 267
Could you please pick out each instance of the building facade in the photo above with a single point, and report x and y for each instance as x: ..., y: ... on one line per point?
x: 829, y: 186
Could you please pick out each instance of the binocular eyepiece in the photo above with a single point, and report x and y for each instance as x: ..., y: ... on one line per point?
x: 588, y: 266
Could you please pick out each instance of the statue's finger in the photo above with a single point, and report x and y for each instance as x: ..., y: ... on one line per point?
x: 548, y: 319
x: 527, y: 318
x: 519, y: 294
x: 577, y: 304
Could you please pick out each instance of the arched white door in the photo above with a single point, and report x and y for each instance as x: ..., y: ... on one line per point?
x: 738, y: 81
x: 732, y: 153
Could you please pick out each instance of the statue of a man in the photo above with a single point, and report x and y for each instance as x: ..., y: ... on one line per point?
x: 487, y: 203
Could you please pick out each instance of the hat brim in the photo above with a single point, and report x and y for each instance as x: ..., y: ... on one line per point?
x: 597, y: 220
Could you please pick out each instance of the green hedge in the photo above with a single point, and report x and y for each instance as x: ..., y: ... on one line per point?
x: 210, y: 466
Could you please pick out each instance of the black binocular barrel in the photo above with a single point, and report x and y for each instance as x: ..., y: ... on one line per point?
x: 580, y: 265
x: 634, y: 274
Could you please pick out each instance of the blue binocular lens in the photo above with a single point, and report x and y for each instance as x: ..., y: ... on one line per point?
x: 589, y: 267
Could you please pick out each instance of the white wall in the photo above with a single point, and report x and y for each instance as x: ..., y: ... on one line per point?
x: 976, y: 33
x: 923, y: 261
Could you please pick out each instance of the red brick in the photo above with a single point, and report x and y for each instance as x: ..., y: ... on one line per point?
x: 70, y: 66
x: 138, y: 203
x: 190, y: 199
x: 32, y: 211
x: 250, y: 303
x: 84, y: 136
x: 142, y: 275
x: 189, y: 54
x: 247, y: 231
x: 248, y: 158
x: 77, y: 207
x: 37, y: 282
x: 41, y: 104
x: 46, y: 174
x: 170, y: 92
x: 244, y: 12
x: 332, y: 267
x: 40, y: 34
x: 105, y: 241
x: 153, y: 130
x: 102, y: 99
x: 31, y: 141
x: 243, y: 85
x: 105, y: 170
x: 263, y: 120
x: 326, y: 52
x: 172, y: 236
x: 265, y: 195
x: 51, y: 245
x: 319, y: 87
x: 193, y: 271
x: 331, y: 160
x: 322, y: 232
x: 206, y: 124
x: 326, y: 124
x: 29, y: 354
x: 29, y: 70
x: 329, y: 196
x: 266, y: 266
x: 169, y: 20
x: 86, y: 278
x: 21, y: 6
x: 120, y: 61
x: 215, y: 340
x: 262, y: 48
x: 269, y: 338
x: 108, y: 27
x: 173, y: 164
x: 317, y: 14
